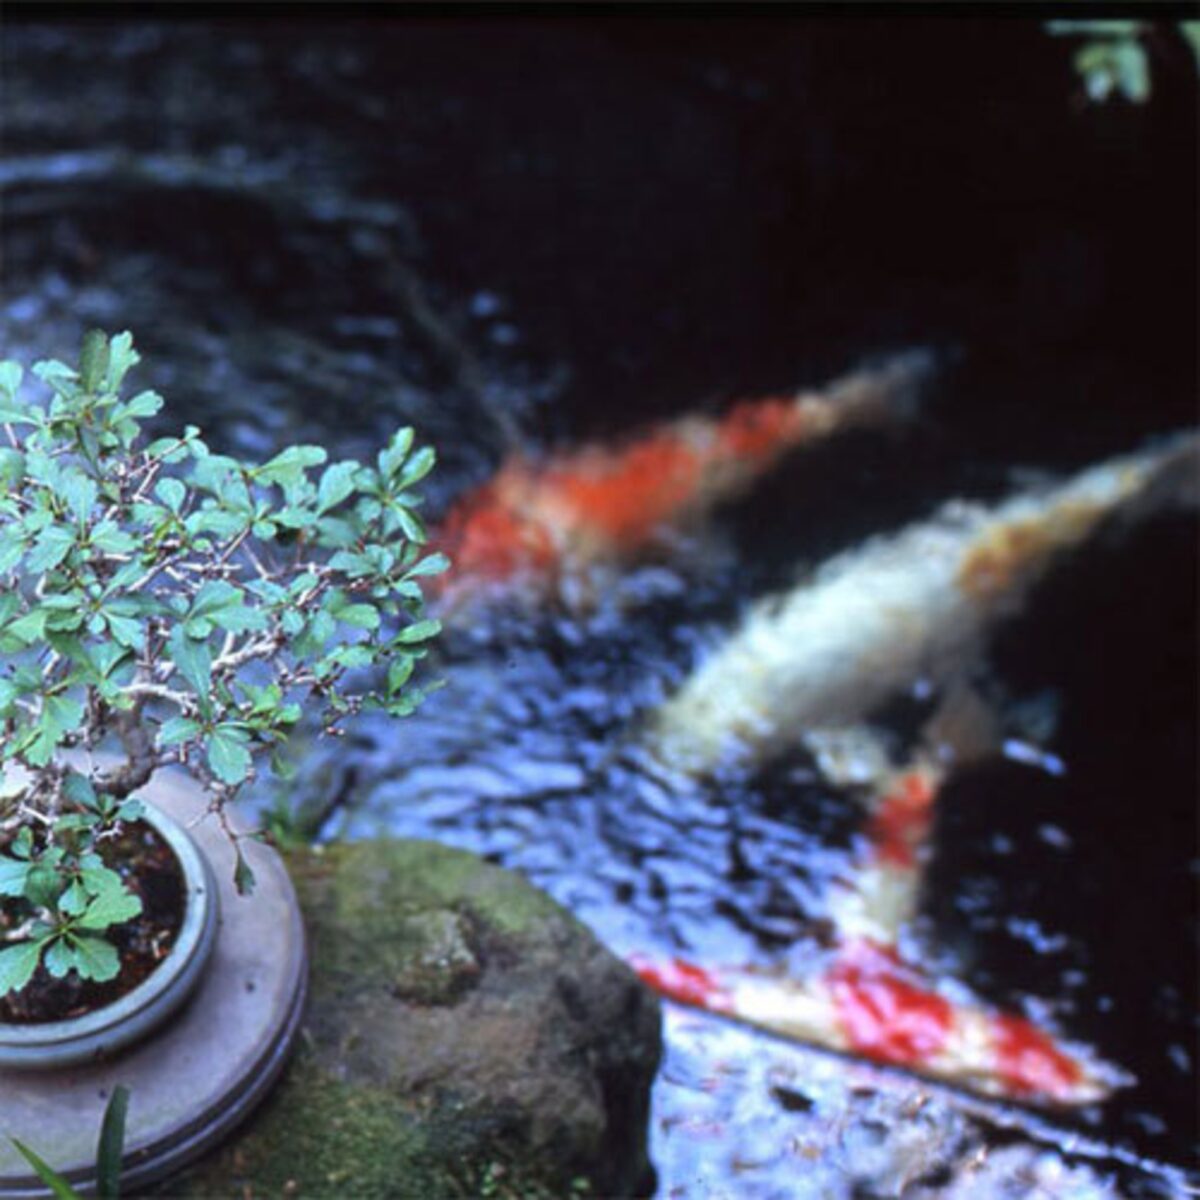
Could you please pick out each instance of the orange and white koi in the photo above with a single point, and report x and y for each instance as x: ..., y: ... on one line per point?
x: 880, y: 895
x: 914, y: 605
x: 533, y: 520
x: 867, y: 1002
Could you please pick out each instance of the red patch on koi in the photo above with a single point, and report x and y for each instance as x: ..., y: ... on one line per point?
x: 883, y: 1016
x: 685, y: 982
x: 486, y: 538
x: 902, y: 821
x: 759, y: 429
x: 1030, y: 1063
x: 626, y: 496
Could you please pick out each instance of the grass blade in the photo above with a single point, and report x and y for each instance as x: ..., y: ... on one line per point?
x: 112, y: 1140
x: 47, y: 1174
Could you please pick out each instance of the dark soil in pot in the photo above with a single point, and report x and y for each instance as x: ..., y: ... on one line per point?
x: 149, y: 867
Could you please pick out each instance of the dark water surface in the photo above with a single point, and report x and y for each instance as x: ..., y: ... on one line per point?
x: 541, y: 231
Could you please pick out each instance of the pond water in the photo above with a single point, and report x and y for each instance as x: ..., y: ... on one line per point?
x: 538, y: 233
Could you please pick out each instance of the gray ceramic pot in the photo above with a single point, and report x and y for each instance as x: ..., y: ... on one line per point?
x: 104, y: 1031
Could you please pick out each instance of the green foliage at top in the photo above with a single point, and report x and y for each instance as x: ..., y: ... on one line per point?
x: 1111, y: 58
x: 183, y: 604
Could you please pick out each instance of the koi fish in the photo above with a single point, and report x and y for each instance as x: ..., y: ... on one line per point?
x: 874, y: 620
x: 534, y: 521
x: 917, y: 604
x: 868, y: 1003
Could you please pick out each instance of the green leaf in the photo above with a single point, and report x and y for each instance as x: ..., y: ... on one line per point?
x: 193, y: 659
x: 80, y: 493
x: 177, y: 729
x: 13, y: 875
x: 44, y: 884
x: 214, y: 520
x: 66, y: 712
x: 72, y: 902
x: 354, y: 565
x: 399, y: 672
x: 353, y: 656
x: 17, y: 965
x: 127, y: 631
x: 240, y: 619
x: 50, y: 548
x: 336, y: 484
x: 243, y: 876
x: 413, y: 526
x: 11, y: 374
x: 144, y: 404
x: 94, y: 360
x: 109, y: 1148
x: 417, y: 467
x: 79, y: 790
x: 112, y: 539
x: 106, y: 657
x: 419, y: 631
x: 97, y: 878
x: 335, y: 532
x: 12, y: 466
x: 11, y: 552
x: 433, y: 564
x: 95, y: 958
x: 295, y: 517
x: 52, y: 371
x: 169, y: 449
x: 131, y: 810
x: 60, y: 714
x: 228, y: 756
x: 171, y: 492
x: 58, y: 1186
x: 214, y: 595
x: 113, y: 906
x: 121, y: 358
x: 393, y: 456
x: 12, y: 415
x: 361, y: 616
x: 289, y: 465
x: 30, y: 627
x: 73, y: 822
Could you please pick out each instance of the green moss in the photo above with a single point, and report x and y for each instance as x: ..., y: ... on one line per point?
x: 396, y: 928
x: 413, y: 915
x: 319, y: 1137
x: 389, y: 880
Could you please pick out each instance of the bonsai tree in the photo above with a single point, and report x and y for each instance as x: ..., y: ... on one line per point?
x: 176, y: 606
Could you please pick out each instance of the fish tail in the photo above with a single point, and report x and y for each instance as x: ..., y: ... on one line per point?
x: 890, y: 388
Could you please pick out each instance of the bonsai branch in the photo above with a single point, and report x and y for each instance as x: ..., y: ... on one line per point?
x: 142, y: 760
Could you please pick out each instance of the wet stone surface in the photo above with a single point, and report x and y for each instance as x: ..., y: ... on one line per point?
x: 464, y: 1036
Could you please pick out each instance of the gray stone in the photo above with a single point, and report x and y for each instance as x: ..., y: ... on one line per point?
x: 465, y: 1036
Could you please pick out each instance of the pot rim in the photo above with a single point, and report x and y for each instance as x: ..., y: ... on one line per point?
x: 53, y: 1043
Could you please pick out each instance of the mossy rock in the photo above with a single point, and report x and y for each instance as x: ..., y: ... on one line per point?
x: 465, y: 1036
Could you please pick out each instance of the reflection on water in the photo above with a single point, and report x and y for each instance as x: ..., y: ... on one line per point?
x: 319, y: 233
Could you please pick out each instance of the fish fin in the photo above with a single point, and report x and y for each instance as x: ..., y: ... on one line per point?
x: 850, y: 755
x: 1174, y: 480
x: 892, y: 385
x: 965, y: 726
